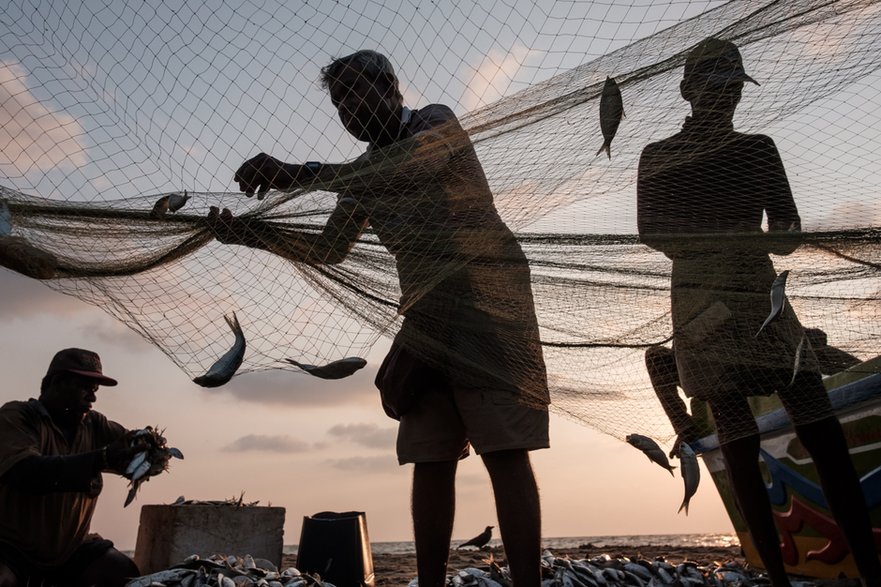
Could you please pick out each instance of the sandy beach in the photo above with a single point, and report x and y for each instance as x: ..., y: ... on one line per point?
x: 400, y: 569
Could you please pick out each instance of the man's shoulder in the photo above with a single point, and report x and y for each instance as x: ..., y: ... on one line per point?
x: 19, y: 406
x: 432, y: 115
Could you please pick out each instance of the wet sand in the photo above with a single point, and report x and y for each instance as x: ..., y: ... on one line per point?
x: 400, y: 569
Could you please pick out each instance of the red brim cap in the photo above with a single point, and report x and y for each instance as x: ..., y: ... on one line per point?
x: 102, y: 379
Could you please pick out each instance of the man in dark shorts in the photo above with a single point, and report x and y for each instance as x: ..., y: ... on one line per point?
x: 660, y: 363
x: 52, y: 453
x: 701, y: 197
x: 466, y: 368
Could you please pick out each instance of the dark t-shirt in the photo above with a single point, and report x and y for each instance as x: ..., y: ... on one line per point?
x: 465, y: 282
x: 701, y: 196
x: 46, y: 529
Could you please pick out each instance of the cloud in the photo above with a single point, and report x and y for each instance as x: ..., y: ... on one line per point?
x: 32, y: 136
x: 27, y: 298
x: 369, y: 435
x: 492, y: 78
x: 263, y: 443
x: 284, y: 387
x: 379, y: 464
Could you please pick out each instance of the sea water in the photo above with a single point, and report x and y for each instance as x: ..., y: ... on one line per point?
x: 570, y: 542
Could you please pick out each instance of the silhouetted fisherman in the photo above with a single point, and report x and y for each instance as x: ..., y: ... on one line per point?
x: 702, y: 194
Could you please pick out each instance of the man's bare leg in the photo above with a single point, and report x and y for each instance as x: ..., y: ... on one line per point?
x: 519, y: 513
x: 433, y: 508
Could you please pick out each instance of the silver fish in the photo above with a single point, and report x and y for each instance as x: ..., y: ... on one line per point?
x: 651, y: 449
x: 5, y: 219
x: 226, y: 366
x: 169, y: 203
x: 799, y: 351
x: 778, y: 299
x: 141, y: 470
x: 175, y: 452
x: 133, y: 491
x: 691, y: 473
x: 136, y: 462
x: 333, y: 370
x: 611, y: 113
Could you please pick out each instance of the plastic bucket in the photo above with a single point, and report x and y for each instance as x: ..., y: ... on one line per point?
x: 336, y: 546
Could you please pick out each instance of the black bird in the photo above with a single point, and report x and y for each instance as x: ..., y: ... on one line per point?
x: 480, y: 540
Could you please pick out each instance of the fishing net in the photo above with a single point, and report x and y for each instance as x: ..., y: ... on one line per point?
x: 105, y: 109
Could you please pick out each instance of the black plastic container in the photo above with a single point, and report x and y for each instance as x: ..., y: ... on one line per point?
x: 336, y: 546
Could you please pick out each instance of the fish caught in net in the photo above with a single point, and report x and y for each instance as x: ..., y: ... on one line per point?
x: 122, y: 126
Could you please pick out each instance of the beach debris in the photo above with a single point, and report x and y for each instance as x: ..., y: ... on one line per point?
x: 333, y: 370
x: 169, y: 203
x: 778, y: 299
x: 480, y: 540
x: 651, y: 449
x: 220, y: 570
x: 226, y: 366
x: 611, y: 113
x: 233, y: 501
x: 149, y: 462
x: 691, y: 473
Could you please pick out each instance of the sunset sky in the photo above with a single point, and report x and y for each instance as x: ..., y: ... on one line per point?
x: 318, y: 447
x: 140, y: 99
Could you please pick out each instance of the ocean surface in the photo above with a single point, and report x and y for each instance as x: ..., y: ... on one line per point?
x: 566, y: 542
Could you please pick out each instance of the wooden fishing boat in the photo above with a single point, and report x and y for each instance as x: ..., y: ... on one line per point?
x: 812, y: 544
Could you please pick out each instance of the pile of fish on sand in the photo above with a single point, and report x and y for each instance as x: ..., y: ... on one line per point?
x: 228, y: 571
x: 149, y: 462
x: 605, y: 571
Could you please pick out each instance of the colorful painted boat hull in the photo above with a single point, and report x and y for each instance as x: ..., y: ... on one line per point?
x: 812, y: 544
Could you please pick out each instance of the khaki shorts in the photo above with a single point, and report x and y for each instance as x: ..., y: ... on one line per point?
x: 444, y: 423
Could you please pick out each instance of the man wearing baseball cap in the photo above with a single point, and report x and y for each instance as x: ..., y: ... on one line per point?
x: 702, y: 195
x: 52, y: 453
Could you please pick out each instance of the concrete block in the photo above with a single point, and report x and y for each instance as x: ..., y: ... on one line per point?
x: 168, y: 534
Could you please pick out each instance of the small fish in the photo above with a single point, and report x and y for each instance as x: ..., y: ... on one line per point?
x: 141, y: 470
x: 651, y: 450
x: 175, y: 452
x: 691, y: 473
x: 333, y: 370
x: 136, y: 462
x: 133, y: 491
x: 778, y: 299
x: 611, y: 113
x: 799, y: 350
x: 226, y: 366
x: 169, y: 203
x: 5, y: 219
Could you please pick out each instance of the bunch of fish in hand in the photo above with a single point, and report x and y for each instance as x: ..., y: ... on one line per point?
x: 149, y: 462
x: 228, y: 571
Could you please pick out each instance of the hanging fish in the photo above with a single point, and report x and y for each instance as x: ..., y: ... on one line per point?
x: 226, y: 366
x: 691, y: 473
x: 799, y: 351
x: 169, y: 203
x: 651, y: 450
x: 778, y: 299
x: 333, y: 370
x: 611, y: 113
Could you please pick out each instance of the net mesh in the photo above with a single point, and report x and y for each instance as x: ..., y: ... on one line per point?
x: 103, y: 110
